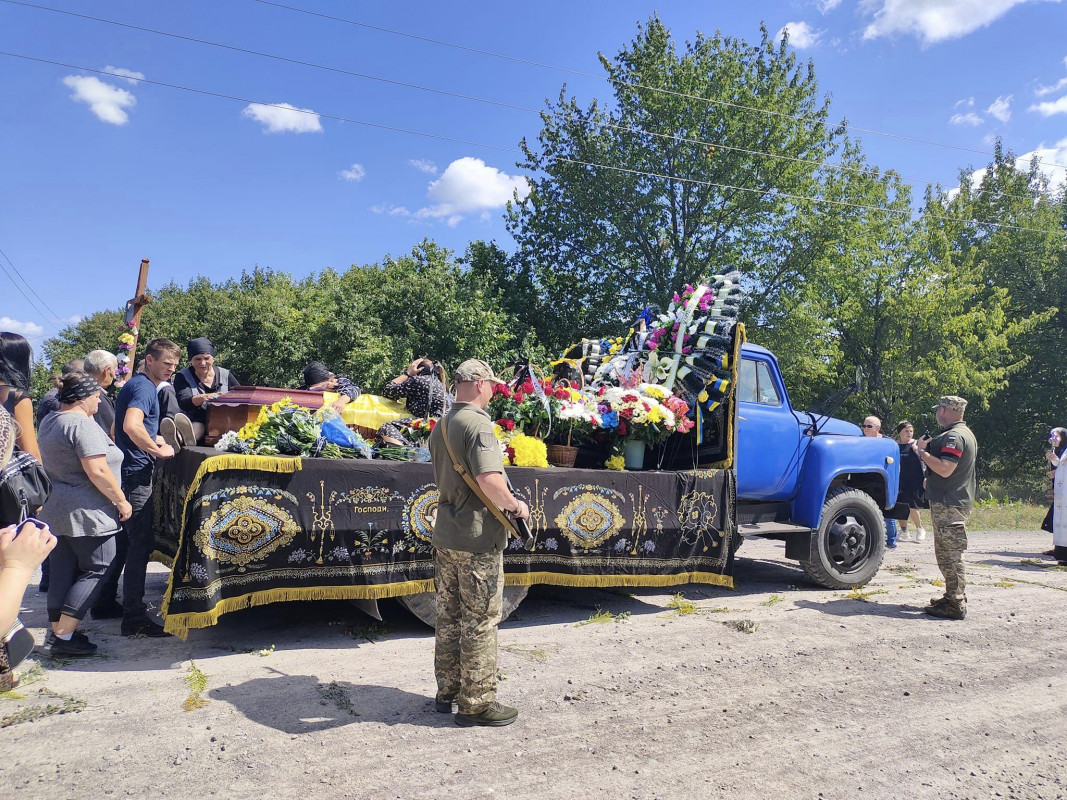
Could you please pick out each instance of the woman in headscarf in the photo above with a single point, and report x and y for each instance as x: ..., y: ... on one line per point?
x: 317, y: 378
x: 83, y: 510
x: 201, y: 381
x: 423, y: 386
x: 1057, y: 457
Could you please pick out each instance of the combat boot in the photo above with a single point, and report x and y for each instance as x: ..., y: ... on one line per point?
x: 444, y: 702
x: 948, y: 609
x: 497, y: 715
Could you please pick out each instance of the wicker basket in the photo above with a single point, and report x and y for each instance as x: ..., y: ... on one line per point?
x: 561, y: 455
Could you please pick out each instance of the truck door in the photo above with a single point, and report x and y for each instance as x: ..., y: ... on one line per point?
x: 769, y: 439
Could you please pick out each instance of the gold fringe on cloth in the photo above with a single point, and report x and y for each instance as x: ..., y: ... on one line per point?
x: 221, y: 463
x: 180, y: 624
x: 605, y: 581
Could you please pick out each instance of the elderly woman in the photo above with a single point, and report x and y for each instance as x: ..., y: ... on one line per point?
x: 201, y: 381
x: 83, y: 511
x: 423, y: 386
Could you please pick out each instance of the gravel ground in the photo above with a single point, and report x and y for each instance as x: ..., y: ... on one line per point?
x: 776, y: 689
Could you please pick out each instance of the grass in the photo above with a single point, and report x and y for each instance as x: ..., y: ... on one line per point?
x: 743, y: 625
x: 864, y: 595
x: 996, y: 515
x: 681, y: 606
x: 339, y: 696
x: 901, y: 569
x: 70, y: 705
x: 370, y: 633
x: 773, y: 600
x: 1004, y: 584
x: 601, y: 617
x: 536, y: 654
x: 196, y: 680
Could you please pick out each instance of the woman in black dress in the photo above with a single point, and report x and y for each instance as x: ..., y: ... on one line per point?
x: 912, y: 480
x: 423, y: 386
x: 203, y: 380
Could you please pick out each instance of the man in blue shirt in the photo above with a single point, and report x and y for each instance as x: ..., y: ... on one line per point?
x: 137, y: 435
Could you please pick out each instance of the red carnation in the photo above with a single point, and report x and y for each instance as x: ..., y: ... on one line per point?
x: 626, y: 413
x: 629, y: 398
x: 519, y: 398
x: 562, y: 394
x: 602, y: 391
x: 509, y: 425
x: 622, y: 428
x: 433, y: 422
x: 527, y: 386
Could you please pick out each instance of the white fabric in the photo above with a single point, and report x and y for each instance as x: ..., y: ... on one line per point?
x: 1059, y: 528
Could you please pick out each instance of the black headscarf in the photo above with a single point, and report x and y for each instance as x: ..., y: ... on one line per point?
x: 198, y: 347
x: 83, y: 387
x: 315, y: 372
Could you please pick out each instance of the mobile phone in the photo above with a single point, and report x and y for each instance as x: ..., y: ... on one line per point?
x: 21, y: 525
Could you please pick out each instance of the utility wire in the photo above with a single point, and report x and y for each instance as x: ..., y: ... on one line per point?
x: 28, y: 286
x: 29, y: 300
x: 564, y: 159
x: 529, y: 62
x: 912, y: 181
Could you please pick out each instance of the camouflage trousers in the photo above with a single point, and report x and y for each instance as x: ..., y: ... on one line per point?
x: 470, y: 590
x: 950, y: 542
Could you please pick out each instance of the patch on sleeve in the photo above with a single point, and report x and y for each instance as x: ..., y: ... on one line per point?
x: 487, y: 442
x: 952, y: 447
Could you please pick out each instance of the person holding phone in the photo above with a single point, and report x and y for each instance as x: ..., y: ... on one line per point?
x: 949, y: 459
x: 84, y: 510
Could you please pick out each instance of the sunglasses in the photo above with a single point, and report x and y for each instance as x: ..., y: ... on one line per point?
x: 865, y: 425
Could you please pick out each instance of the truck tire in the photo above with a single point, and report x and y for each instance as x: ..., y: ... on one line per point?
x: 424, y: 604
x: 850, y: 543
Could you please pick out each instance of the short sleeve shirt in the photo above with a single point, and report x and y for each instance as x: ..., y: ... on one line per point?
x: 139, y: 392
x: 955, y: 443
x: 75, y: 507
x: 463, y: 522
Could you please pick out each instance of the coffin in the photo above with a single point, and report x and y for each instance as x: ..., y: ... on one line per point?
x: 241, y: 405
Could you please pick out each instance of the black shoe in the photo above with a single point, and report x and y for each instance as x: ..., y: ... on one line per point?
x: 78, y: 646
x: 144, y: 627
x: 108, y: 610
x: 947, y: 610
x: 444, y: 702
x: 496, y: 716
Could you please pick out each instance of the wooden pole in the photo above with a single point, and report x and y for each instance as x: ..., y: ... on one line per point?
x: 132, y: 319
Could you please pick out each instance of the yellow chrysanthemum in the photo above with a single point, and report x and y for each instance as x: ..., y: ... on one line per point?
x: 655, y: 415
x: 127, y: 338
x: 616, y: 463
x: 655, y: 392
x: 529, y: 452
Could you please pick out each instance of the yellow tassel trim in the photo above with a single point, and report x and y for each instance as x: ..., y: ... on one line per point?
x: 162, y: 558
x: 604, y: 581
x: 181, y: 624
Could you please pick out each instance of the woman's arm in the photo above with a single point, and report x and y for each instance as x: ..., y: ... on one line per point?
x: 27, y: 438
x: 103, y: 479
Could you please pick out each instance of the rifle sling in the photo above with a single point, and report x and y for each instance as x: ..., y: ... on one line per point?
x: 508, y: 524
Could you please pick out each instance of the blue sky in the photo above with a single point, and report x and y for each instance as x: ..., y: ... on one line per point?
x: 99, y: 171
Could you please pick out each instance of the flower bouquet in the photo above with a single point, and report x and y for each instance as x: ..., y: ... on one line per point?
x: 287, y: 429
x: 640, y: 416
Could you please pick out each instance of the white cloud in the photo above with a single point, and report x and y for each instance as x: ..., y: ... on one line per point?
x: 355, y: 173
x: 1048, y: 156
x: 826, y: 6
x: 801, y: 34
x: 28, y: 329
x: 970, y: 118
x: 934, y: 20
x: 284, y: 118
x: 468, y: 185
x: 392, y: 211
x: 1042, y: 91
x: 1001, y: 108
x: 967, y: 101
x: 1047, y: 109
x: 127, y: 75
x: 106, y: 101
x: 423, y: 165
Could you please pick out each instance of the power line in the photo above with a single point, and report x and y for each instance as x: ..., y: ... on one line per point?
x: 499, y: 148
x: 28, y: 286
x: 912, y: 181
x: 529, y: 62
x: 28, y: 299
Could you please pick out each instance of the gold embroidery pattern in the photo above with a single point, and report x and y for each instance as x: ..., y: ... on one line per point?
x: 322, y: 519
x: 244, y: 530
x: 420, y: 512
x: 589, y: 520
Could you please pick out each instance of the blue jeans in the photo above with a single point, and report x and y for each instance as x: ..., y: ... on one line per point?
x: 891, y: 532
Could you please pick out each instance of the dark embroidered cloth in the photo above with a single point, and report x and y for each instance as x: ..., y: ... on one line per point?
x: 259, y: 530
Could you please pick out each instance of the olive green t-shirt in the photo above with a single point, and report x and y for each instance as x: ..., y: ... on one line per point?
x: 463, y: 522
x: 954, y: 443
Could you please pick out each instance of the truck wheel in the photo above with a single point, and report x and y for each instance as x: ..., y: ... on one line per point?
x: 424, y: 604
x: 850, y: 542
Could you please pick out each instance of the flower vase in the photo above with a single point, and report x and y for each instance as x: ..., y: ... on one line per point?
x: 633, y: 454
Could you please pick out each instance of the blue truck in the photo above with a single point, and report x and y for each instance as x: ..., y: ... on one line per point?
x: 813, y: 481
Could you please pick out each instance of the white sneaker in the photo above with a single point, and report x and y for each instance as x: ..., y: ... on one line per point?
x: 921, y: 535
x: 905, y: 536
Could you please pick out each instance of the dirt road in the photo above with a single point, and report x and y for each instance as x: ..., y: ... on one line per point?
x: 776, y: 690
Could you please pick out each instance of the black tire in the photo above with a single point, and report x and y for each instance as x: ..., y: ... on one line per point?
x: 424, y: 604
x: 850, y: 542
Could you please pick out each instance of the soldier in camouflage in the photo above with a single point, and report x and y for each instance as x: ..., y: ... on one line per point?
x: 469, y: 544
x: 950, y: 487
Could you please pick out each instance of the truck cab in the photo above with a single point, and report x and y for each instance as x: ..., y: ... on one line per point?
x: 815, y: 482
